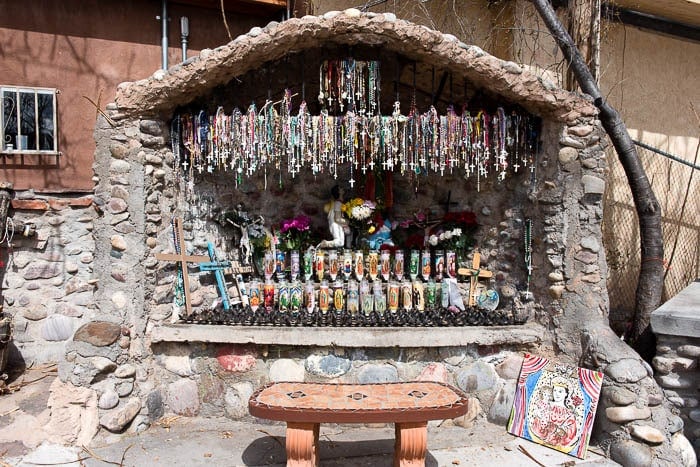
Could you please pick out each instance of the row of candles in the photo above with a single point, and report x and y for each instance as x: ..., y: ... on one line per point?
x: 347, y: 263
x: 352, y: 297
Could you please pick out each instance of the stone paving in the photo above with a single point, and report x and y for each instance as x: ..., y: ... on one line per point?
x: 30, y: 436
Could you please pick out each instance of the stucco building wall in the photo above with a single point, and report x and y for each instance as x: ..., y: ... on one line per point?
x: 86, y: 48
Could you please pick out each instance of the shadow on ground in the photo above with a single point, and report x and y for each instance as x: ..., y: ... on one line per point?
x: 269, y: 450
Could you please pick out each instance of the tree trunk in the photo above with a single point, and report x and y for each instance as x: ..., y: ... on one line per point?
x: 650, y: 283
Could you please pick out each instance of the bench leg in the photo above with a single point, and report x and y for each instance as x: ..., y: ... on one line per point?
x: 411, y: 444
x: 302, y: 444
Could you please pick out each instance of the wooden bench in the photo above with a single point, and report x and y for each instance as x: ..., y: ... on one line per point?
x: 304, y: 406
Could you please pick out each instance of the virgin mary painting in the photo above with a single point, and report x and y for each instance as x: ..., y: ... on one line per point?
x: 555, y: 405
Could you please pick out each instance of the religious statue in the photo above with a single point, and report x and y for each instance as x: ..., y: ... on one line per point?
x: 242, y: 221
x: 337, y: 224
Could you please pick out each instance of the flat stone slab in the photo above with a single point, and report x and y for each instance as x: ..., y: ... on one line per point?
x: 528, y: 334
x: 679, y: 316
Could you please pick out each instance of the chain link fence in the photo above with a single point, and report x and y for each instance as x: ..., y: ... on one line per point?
x: 676, y: 183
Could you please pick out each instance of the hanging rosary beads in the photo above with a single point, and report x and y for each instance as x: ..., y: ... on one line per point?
x: 351, y: 130
x: 478, y: 146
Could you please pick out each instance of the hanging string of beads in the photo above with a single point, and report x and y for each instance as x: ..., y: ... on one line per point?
x: 421, y: 143
x: 350, y: 130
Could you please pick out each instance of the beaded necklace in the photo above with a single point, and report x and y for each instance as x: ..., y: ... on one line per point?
x: 254, y: 141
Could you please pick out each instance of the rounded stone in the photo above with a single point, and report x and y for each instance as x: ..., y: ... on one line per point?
x: 673, y: 381
x: 327, y: 366
x: 71, y: 267
x: 119, y: 151
x: 124, y: 388
x: 508, y: 291
x: 183, y: 397
x: 654, y: 399
x: 681, y: 445
x: 627, y: 370
x: 103, y: 364
x: 98, y: 333
x: 555, y: 276
x: 119, y: 299
x: 236, y: 358
x: 35, y: 313
x: 154, y: 404
x: 590, y: 243
x: 473, y: 411
x: 234, y: 404
x: 499, y: 413
x: 556, y: 291
x: 117, y: 205
x: 119, y: 191
x: 593, y: 185
x: 286, y: 369
x: 662, y: 365
x: 57, y: 328
x: 151, y: 242
x: 436, y: 372
x: 567, y: 154
x: 619, y: 396
x: 373, y: 373
x: 648, y: 434
x: 621, y: 415
x: 108, y: 400
x: 581, y: 130
x: 694, y: 415
x: 118, y: 419
x: 675, y: 424
x: 478, y: 376
x: 691, y: 351
x: 510, y: 367
x: 236, y: 399
x: 628, y: 452
x: 125, y: 371
x: 118, y: 242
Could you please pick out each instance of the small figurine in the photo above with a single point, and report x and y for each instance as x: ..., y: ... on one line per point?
x: 381, y: 236
x: 337, y: 224
x: 242, y: 221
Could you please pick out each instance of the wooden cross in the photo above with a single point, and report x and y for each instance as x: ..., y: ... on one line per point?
x: 474, y: 274
x: 182, y: 258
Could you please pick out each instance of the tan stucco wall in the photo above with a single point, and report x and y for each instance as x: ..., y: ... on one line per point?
x: 86, y: 48
x: 653, y: 81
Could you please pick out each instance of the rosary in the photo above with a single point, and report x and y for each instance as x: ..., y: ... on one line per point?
x: 528, y: 252
x: 351, y: 130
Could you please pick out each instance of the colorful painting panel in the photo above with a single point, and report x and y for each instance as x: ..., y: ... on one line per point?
x: 555, y: 405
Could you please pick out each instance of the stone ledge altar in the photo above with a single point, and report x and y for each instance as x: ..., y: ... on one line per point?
x: 528, y: 334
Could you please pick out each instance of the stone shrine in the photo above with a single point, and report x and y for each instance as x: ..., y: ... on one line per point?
x: 538, y: 235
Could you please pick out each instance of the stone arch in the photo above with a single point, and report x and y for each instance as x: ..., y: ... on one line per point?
x: 165, y: 90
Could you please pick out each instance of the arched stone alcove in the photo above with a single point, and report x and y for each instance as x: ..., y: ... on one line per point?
x: 141, y: 191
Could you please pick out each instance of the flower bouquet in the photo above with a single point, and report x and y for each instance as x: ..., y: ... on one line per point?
x: 294, y: 234
x: 455, y: 232
x: 359, y: 213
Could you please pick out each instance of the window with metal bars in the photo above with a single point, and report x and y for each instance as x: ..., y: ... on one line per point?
x: 28, y: 120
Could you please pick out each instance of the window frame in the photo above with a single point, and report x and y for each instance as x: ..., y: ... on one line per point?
x: 37, y: 91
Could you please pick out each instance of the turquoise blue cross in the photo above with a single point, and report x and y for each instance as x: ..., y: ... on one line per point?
x: 218, y: 268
